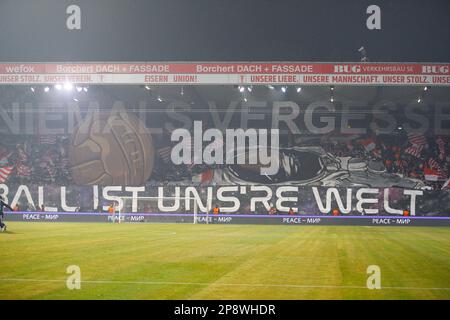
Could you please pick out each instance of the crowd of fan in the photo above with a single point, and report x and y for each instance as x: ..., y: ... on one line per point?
x: 40, y: 161
x: 392, y: 150
x: 44, y: 161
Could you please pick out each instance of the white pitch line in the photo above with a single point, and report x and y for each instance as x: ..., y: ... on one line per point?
x: 220, y: 284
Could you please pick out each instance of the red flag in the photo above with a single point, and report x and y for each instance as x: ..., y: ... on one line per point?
x: 433, y: 163
x: 415, y: 151
x: 369, y: 144
x: 442, y: 175
x: 165, y: 153
x: 431, y: 174
x: 417, y: 139
x: 205, y: 176
x: 5, y: 172
x: 441, y: 144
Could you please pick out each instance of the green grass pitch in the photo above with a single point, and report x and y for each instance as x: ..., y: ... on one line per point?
x: 185, y: 261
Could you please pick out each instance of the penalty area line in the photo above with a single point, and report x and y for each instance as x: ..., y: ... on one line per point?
x: 217, y: 284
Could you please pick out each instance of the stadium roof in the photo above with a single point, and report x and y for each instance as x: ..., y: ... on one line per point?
x: 222, y: 95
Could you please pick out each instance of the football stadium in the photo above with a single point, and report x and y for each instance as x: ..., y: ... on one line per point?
x: 136, y: 186
x: 228, y: 180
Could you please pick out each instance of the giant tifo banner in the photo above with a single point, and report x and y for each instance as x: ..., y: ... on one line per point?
x: 227, y: 73
x: 263, y: 154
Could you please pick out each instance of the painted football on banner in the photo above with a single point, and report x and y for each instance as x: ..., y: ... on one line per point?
x: 111, y: 149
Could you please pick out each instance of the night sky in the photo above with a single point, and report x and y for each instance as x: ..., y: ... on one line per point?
x: 220, y: 30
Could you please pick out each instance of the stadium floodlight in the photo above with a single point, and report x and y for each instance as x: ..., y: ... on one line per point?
x: 147, y: 87
x: 331, y: 99
x: 245, y: 99
x: 32, y: 89
x: 283, y: 89
x: 241, y: 88
x: 271, y: 87
x: 363, y: 53
x: 425, y: 88
x: 68, y: 86
x: 46, y: 89
x: 79, y: 89
x: 299, y: 89
x: 182, y: 90
x: 159, y: 99
x: 249, y: 88
x: 85, y: 89
x: 332, y: 88
x: 419, y: 100
x: 75, y: 99
x: 58, y: 86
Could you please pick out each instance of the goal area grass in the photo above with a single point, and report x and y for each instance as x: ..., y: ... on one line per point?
x: 186, y: 261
